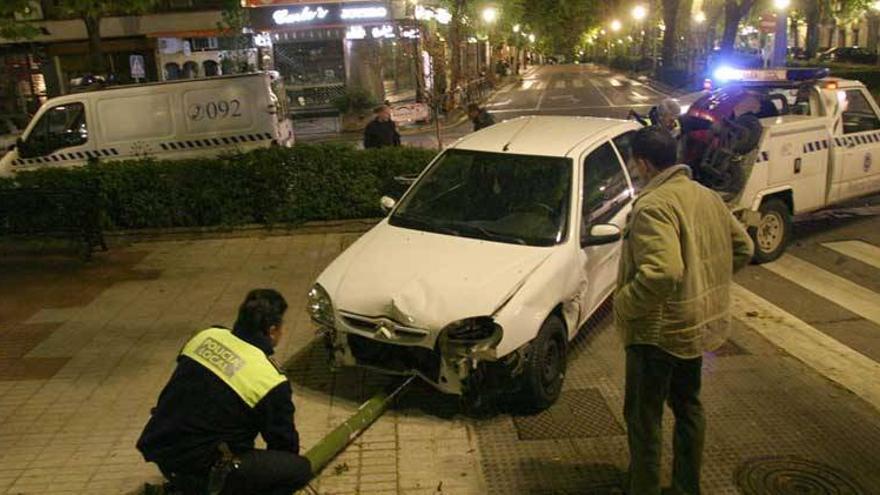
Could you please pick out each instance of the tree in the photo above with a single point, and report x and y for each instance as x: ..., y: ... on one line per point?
x: 91, y: 12
x: 560, y: 23
x: 11, y: 29
x: 670, y: 34
x: 734, y: 11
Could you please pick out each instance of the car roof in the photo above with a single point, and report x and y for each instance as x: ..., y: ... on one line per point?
x: 542, y: 135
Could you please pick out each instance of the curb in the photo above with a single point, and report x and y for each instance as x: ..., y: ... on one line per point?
x: 121, y: 238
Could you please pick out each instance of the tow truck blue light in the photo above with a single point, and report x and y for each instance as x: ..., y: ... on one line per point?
x: 725, y: 74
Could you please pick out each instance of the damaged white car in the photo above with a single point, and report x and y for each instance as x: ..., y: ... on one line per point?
x: 486, y: 268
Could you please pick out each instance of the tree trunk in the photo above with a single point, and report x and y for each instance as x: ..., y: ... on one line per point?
x: 455, y: 34
x: 670, y: 35
x: 96, y: 55
x: 734, y: 11
x: 813, y: 20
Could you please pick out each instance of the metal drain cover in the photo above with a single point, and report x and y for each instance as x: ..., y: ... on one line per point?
x: 790, y: 475
x: 578, y: 413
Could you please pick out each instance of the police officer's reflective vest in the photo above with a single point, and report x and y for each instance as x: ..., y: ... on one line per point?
x: 244, y: 367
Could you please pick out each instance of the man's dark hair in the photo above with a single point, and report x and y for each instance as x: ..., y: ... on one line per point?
x: 261, y: 310
x: 473, y: 107
x: 655, y: 145
x: 379, y: 109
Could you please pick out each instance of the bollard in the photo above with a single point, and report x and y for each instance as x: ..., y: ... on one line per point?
x: 337, y: 440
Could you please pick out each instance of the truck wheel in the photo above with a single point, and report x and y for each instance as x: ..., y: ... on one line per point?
x: 773, y: 231
x: 545, y: 367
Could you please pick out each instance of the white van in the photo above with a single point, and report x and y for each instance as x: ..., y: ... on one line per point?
x: 170, y: 120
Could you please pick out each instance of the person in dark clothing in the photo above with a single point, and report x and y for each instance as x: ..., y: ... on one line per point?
x: 224, y: 391
x: 381, y: 131
x: 480, y: 117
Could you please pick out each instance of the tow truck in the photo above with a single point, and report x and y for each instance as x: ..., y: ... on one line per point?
x: 781, y: 142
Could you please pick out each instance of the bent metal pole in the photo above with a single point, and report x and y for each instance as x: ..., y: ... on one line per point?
x: 337, y: 440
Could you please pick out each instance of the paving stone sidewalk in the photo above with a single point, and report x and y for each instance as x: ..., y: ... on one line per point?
x: 85, y: 350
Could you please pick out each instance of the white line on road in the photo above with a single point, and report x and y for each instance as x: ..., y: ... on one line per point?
x: 833, y: 360
x: 854, y: 297
x: 638, y: 96
x: 859, y: 250
x: 578, y: 83
x: 614, y: 82
x: 560, y: 84
x: 596, y: 86
x: 501, y: 103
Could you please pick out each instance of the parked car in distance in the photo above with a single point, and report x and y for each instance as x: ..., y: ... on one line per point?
x: 850, y: 54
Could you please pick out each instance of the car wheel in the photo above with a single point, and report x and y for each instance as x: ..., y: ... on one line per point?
x: 773, y: 231
x: 545, y: 367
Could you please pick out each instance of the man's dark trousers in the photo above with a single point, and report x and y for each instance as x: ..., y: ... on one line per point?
x: 653, y: 377
x: 260, y: 472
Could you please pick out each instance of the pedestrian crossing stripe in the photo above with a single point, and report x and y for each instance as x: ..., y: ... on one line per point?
x: 73, y: 155
x: 868, y: 254
x: 830, y: 286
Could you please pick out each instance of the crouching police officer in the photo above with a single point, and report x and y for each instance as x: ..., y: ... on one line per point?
x: 224, y: 391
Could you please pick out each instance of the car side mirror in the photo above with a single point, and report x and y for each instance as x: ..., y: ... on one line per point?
x: 601, y: 234
x: 387, y: 203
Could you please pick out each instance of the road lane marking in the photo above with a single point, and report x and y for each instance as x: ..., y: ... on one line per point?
x: 638, y: 96
x: 853, y: 297
x: 578, y: 83
x: 614, y: 82
x: 560, y: 84
x: 868, y: 254
x: 528, y: 83
x: 596, y: 86
x: 501, y: 103
x: 831, y: 359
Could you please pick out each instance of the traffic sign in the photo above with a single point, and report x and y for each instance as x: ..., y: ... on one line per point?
x: 138, y: 67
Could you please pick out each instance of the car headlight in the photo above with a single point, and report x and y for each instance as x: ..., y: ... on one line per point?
x: 320, y: 306
x: 472, y: 331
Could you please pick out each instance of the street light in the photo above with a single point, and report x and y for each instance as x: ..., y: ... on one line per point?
x: 532, y: 38
x: 781, y: 4
x: 616, y: 25
x: 639, y: 12
x: 516, y: 28
x: 490, y: 15
x: 876, y: 5
x: 700, y: 17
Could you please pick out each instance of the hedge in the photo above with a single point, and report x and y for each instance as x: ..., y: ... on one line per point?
x: 276, y: 185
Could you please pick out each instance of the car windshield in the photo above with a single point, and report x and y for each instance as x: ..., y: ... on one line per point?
x: 518, y: 199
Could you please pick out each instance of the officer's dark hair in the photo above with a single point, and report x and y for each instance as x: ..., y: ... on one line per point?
x: 261, y: 310
x: 473, y: 107
x: 655, y: 145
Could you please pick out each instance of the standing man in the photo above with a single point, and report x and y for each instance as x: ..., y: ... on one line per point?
x: 381, y: 131
x: 480, y: 117
x: 672, y: 302
x: 224, y: 391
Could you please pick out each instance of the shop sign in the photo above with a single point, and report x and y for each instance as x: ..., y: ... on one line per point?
x: 409, y: 112
x: 319, y: 14
x: 296, y: 16
x: 361, y: 13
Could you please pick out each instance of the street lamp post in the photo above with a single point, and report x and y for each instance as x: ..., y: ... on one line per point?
x: 490, y: 16
x: 780, y: 38
x: 639, y: 13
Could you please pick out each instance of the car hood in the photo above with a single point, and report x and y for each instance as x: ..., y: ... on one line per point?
x: 428, y: 280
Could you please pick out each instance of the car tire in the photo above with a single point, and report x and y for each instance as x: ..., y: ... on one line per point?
x: 545, y: 366
x: 773, y: 231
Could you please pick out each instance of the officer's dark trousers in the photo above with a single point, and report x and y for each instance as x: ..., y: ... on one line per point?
x: 261, y: 472
x: 652, y: 378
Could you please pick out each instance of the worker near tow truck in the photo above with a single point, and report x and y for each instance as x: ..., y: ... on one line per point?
x: 224, y: 391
